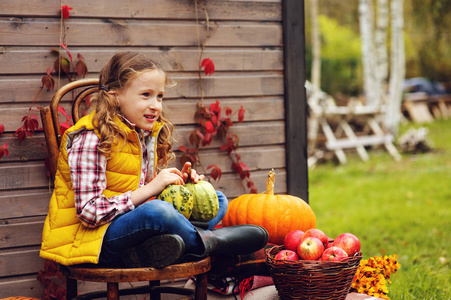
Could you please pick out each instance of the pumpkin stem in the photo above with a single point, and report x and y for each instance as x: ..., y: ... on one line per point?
x: 270, y: 182
x: 189, y: 180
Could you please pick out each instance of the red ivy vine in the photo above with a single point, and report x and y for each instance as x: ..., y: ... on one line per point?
x: 63, y: 65
x: 53, y: 281
x: 215, y: 121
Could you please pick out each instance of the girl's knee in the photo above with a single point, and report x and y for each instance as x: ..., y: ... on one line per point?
x: 158, y: 208
x: 222, y: 199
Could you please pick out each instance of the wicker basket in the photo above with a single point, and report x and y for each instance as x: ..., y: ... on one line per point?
x: 310, y: 279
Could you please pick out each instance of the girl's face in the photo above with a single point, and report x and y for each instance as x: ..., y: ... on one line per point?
x: 141, y: 99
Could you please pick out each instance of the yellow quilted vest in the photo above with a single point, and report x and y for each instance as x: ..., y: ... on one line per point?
x: 64, y: 239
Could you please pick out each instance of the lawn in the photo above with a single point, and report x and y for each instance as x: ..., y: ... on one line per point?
x: 401, y: 208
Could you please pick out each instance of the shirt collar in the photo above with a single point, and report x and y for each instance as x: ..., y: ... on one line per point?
x: 132, y: 126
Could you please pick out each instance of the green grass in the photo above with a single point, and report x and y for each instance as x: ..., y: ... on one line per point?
x: 401, y: 208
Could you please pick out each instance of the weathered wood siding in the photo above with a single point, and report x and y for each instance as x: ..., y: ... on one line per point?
x: 245, y: 44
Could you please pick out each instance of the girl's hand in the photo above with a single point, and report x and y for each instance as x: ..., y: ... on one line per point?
x: 166, y: 177
x: 195, y: 177
x: 170, y: 175
x: 154, y: 187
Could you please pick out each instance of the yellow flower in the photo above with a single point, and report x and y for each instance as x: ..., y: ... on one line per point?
x: 373, y: 274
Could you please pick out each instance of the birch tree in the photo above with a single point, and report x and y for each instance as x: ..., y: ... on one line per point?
x: 316, y: 72
x: 375, y: 58
x: 397, y: 66
x: 366, y: 22
x: 316, y: 47
x: 381, y: 52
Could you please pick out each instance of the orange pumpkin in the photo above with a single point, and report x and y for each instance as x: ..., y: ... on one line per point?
x: 278, y: 214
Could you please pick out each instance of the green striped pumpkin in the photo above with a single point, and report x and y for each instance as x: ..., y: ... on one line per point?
x: 206, y: 204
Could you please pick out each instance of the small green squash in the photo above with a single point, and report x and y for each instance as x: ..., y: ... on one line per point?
x: 180, y: 197
x: 206, y: 204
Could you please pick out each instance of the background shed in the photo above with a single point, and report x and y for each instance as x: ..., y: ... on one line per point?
x: 258, y: 50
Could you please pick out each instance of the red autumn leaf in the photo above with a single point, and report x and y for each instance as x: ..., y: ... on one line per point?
x: 216, y: 173
x: 4, y: 150
x: 62, y: 111
x: 215, y: 108
x: 60, y: 293
x: 48, y: 81
x: 225, y: 147
x: 207, y: 140
x: 209, y: 127
x: 30, y: 124
x: 64, y: 126
x: 21, y: 134
x: 192, y: 159
x: 236, y: 167
x: 192, y: 151
x: 244, y: 167
x: 214, y: 120
x: 200, y: 135
x: 253, y: 190
x: 41, y: 277
x: 232, y: 140
x: 50, y: 267
x: 194, y: 139
x: 80, y: 57
x: 244, y: 174
x: 228, y: 111
x: 2, y: 128
x: 65, y: 11
x: 226, y: 122
x: 241, y: 114
x: 81, y: 68
x: 88, y: 101
x: 208, y: 65
x: 182, y: 148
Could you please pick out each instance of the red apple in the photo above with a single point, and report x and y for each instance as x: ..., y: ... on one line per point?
x: 348, y: 242
x: 287, y: 255
x: 334, y: 254
x: 310, y: 248
x: 292, y: 239
x: 319, y: 234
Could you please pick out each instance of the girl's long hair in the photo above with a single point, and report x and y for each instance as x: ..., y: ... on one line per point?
x: 116, y: 74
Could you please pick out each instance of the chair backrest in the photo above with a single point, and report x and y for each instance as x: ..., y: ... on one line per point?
x: 49, y: 115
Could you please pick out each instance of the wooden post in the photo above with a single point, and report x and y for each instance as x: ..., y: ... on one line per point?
x: 295, y: 97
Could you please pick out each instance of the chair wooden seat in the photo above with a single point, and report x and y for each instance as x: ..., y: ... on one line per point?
x: 113, y: 276
x: 81, y: 89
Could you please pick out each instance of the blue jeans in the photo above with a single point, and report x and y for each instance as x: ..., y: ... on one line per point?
x: 149, y: 219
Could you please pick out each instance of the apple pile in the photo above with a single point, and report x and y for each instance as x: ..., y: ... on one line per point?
x: 314, y: 244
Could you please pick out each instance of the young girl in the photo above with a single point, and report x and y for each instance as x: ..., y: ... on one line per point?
x: 111, y: 163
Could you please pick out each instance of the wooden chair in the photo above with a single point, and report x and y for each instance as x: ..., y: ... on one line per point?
x: 113, y: 276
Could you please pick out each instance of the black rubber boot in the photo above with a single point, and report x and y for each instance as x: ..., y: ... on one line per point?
x: 234, y: 240
x: 158, y: 252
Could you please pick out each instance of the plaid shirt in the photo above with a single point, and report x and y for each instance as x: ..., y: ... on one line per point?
x: 87, y: 170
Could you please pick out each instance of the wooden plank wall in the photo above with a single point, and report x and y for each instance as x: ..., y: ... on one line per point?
x: 245, y: 44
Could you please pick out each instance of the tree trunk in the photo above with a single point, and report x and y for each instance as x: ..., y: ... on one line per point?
x: 397, y: 67
x: 381, y: 51
x: 316, y: 75
x: 316, y: 47
x: 366, y: 20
